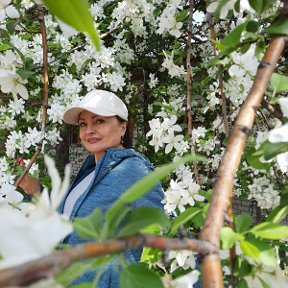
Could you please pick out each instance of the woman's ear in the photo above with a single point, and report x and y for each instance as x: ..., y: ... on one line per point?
x: 124, y: 128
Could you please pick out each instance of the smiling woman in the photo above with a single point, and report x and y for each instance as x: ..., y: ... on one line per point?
x: 99, y: 132
x: 107, y: 173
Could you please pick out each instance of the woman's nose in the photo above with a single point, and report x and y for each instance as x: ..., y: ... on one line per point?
x: 90, y: 129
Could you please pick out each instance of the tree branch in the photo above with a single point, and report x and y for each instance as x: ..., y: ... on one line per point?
x: 222, y: 191
x: 48, y: 266
x: 45, y: 94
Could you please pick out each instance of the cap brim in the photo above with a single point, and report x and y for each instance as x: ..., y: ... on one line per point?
x: 71, y: 115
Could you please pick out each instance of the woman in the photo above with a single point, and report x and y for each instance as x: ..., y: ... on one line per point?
x: 108, y: 172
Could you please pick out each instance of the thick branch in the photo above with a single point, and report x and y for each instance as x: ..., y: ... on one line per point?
x: 48, y: 266
x: 45, y: 95
x: 222, y: 191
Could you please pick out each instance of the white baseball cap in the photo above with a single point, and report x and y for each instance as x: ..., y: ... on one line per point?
x: 100, y: 102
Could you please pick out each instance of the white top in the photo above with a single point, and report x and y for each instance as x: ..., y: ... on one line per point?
x: 78, y: 190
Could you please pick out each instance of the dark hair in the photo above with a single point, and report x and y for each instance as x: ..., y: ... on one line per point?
x: 127, y: 139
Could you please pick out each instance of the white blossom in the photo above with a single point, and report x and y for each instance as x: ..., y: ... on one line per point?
x: 40, y: 228
x: 279, y: 134
x: 153, y: 81
x: 182, y: 258
x: 173, y: 69
x: 7, y: 10
x: 283, y: 102
x: 198, y: 133
x: 187, y: 280
x: 263, y: 192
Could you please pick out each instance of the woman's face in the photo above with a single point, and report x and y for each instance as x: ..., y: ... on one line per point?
x: 98, y: 132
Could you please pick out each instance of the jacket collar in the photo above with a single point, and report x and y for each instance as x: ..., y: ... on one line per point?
x: 111, y: 158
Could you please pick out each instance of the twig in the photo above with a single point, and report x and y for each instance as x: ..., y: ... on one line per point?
x: 221, y: 81
x: 230, y: 215
x: 45, y: 94
x: 222, y: 191
x: 188, y: 86
x: 48, y: 266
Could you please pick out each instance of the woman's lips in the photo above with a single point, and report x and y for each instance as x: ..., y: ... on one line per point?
x: 93, y: 140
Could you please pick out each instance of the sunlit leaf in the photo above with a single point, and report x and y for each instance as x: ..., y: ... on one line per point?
x: 259, y: 250
x: 229, y: 237
x: 4, y: 47
x: 249, y: 249
x: 138, y: 276
x: 279, y: 83
x: 76, y: 14
x: 270, y: 230
x: 278, y: 214
x: 150, y: 255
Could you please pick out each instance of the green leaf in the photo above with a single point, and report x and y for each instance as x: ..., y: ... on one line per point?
x: 228, y: 238
x: 278, y: 214
x: 260, y: 5
x: 242, y: 222
x: 28, y: 63
x: 76, y: 14
x: 75, y: 270
x: 140, y: 188
x: 242, y: 284
x: 219, y: 45
x: 242, y: 267
x: 270, y: 230
x: 89, y: 227
x: 280, y: 27
x: 249, y: 249
x: 279, y: 83
x: 237, y: 6
x: 11, y: 25
x: 273, y: 149
x: 138, y: 276
x: 232, y: 40
x: 142, y: 217
x: 150, y: 255
x: 4, y: 47
x: 254, y: 160
x: 24, y: 74
x: 252, y: 26
x: 183, y: 218
x: 259, y: 250
x: 182, y: 15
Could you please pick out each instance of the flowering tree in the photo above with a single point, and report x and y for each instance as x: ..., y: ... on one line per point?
x: 185, y: 68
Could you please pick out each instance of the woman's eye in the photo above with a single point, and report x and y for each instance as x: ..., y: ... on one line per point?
x: 82, y: 124
x: 99, y: 121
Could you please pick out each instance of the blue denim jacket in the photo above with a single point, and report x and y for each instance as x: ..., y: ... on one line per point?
x: 115, y: 172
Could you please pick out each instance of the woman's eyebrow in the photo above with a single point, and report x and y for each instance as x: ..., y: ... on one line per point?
x: 93, y: 117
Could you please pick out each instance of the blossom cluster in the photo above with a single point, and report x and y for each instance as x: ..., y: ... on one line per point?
x: 263, y: 192
x: 32, y: 222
